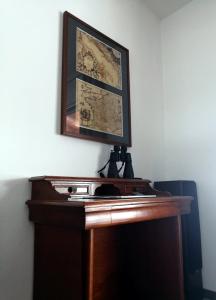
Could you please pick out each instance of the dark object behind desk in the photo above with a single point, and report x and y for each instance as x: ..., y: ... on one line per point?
x: 190, y: 237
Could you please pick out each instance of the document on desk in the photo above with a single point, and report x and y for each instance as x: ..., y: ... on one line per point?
x: 88, y: 197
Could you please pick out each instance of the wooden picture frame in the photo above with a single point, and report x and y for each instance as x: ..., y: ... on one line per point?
x: 95, y: 85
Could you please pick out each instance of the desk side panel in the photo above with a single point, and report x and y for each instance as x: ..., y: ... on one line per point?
x: 58, y: 263
x: 138, y: 261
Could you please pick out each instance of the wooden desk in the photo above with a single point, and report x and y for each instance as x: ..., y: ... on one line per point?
x: 121, y: 249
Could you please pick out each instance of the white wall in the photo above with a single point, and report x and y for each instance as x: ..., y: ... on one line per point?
x: 189, y: 62
x: 30, y: 76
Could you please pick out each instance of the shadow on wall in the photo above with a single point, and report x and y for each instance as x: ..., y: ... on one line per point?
x: 104, y: 156
x: 16, y: 246
x: 104, y: 148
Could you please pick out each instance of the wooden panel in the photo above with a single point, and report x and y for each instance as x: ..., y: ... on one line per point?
x: 107, y: 277
x: 138, y: 261
x: 101, y: 212
x: 135, y: 211
x: 58, y: 215
x: 89, y: 256
x: 154, y: 258
x: 60, y: 188
x: 58, y: 264
x: 106, y: 249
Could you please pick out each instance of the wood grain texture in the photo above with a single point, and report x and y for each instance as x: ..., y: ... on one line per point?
x: 94, y: 214
x: 106, y: 249
x: 90, y: 264
x: 140, y: 259
x: 57, y: 263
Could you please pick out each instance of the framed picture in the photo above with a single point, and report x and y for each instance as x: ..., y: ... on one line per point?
x: 95, y: 85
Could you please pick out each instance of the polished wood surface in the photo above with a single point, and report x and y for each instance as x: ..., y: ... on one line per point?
x: 56, y: 187
x: 58, y: 263
x: 138, y: 261
x: 100, y: 249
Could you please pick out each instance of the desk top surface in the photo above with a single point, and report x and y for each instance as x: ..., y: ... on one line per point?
x: 71, y: 200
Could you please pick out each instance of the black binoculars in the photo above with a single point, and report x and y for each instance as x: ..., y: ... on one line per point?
x: 119, y: 154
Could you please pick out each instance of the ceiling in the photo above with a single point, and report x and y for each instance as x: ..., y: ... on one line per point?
x: 164, y: 8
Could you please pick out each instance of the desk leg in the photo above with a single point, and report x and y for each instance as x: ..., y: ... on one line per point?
x: 181, y: 274
x: 135, y: 261
x: 90, y: 262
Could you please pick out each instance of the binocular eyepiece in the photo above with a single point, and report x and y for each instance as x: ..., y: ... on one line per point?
x: 119, y: 154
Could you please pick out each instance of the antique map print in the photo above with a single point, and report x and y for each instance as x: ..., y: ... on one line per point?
x: 98, y: 109
x: 98, y: 60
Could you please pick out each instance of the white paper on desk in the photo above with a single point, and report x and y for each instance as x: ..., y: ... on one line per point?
x: 88, y: 197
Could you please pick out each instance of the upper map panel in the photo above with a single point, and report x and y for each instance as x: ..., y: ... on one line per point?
x: 98, y: 60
